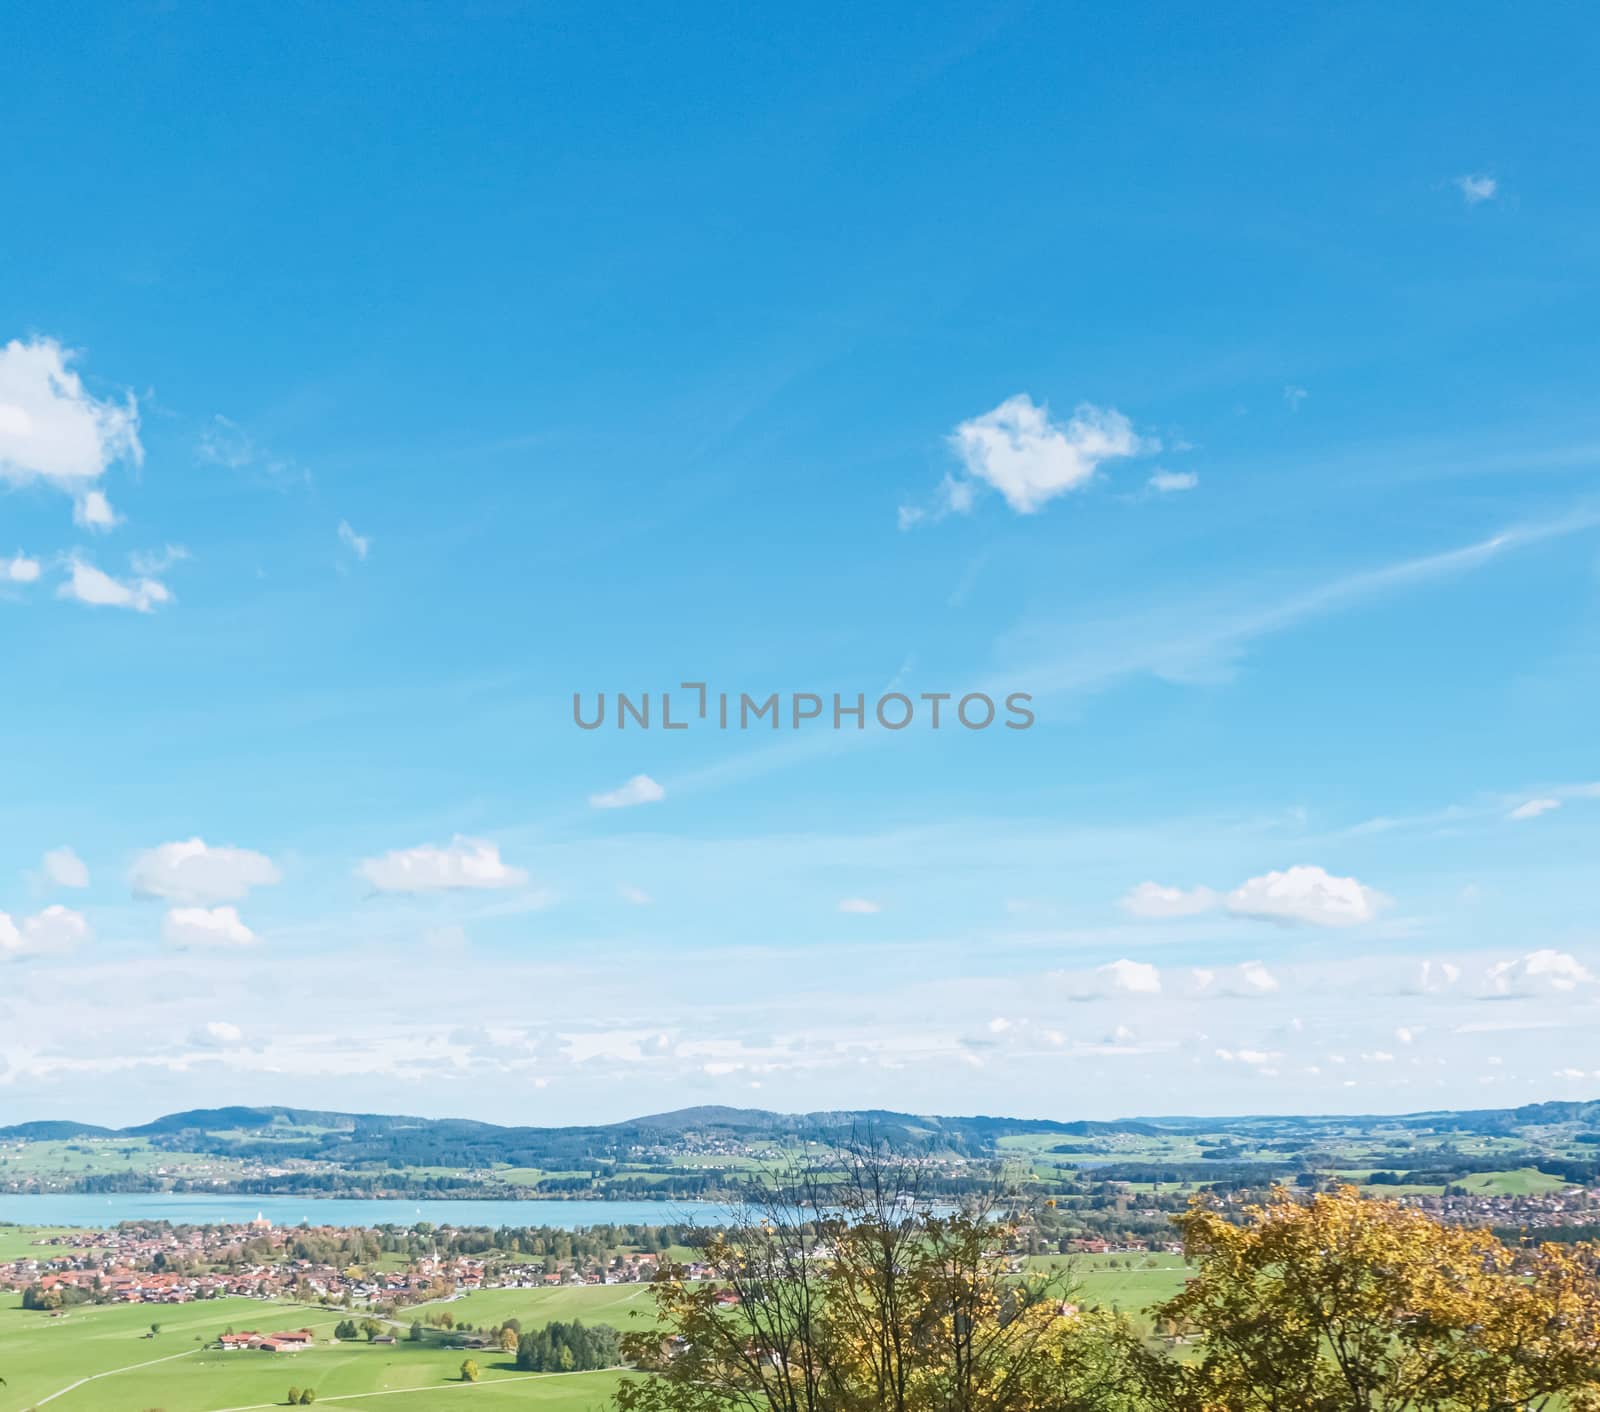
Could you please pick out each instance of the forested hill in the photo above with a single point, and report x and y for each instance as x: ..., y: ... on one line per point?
x: 372, y: 1138
x: 368, y: 1139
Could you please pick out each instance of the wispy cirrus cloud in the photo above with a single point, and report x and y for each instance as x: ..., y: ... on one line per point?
x: 641, y: 789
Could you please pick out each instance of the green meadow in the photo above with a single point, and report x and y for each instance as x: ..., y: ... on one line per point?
x: 96, y: 1358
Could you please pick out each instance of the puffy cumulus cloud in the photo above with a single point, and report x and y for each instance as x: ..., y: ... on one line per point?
x: 860, y: 906
x: 1256, y: 979
x: 635, y: 896
x: 1152, y: 899
x: 1021, y: 451
x: 464, y: 864
x: 54, y: 431
x: 217, y: 1034
x: 1435, y: 977
x: 206, y: 927
x: 94, y: 587
x: 18, y: 569
x: 1254, y: 1057
x: 1136, y: 977
x: 1476, y: 188
x: 92, y: 511
x: 56, y: 929
x: 1299, y: 894
x: 1540, y: 972
x: 193, y: 871
x: 65, y: 869
x: 1244, y: 981
x: 641, y: 789
x: 1306, y: 894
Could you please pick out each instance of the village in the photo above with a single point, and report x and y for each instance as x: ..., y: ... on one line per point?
x: 160, y: 1264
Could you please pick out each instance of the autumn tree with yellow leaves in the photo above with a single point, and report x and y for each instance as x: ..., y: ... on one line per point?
x: 850, y: 1295
x: 841, y: 1291
x: 1341, y: 1303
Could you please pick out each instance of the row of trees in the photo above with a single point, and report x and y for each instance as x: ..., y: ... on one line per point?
x: 1326, y: 1302
x: 569, y: 1348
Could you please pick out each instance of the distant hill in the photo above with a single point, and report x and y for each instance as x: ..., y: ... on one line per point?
x: 54, y: 1130
x: 376, y: 1142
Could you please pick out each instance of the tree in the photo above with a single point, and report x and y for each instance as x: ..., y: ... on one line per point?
x: 508, y: 1339
x: 1345, y: 1304
x: 155, y: 1329
x: 414, y: 1334
x: 469, y: 1371
x: 840, y: 1290
x: 308, y: 1396
x: 293, y: 1399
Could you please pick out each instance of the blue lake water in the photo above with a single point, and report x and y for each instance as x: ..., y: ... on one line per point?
x: 201, y: 1209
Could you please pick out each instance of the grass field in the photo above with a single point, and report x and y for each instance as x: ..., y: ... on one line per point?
x: 104, y: 1351
x: 17, y: 1242
x: 1104, y: 1281
x: 593, y: 1304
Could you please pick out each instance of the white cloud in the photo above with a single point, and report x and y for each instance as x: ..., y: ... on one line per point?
x: 1299, y: 894
x: 1475, y: 188
x: 217, y: 1034
x: 358, y: 544
x: 92, y: 511
x: 1255, y: 1057
x: 55, y: 929
x: 1139, y: 977
x: 1151, y: 899
x: 1539, y: 972
x: 54, y: 431
x: 465, y: 863
x: 206, y: 926
x: 1030, y: 459
x: 636, y: 895
x: 1294, y: 396
x: 641, y: 789
x: 64, y: 868
x: 192, y: 871
x: 1171, y: 482
x: 859, y: 906
x: 1306, y: 894
x: 157, y: 561
x: 1434, y: 977
x: 1254, y: 978
x: 1533, y: 808
x: 21, y: 569
x: 98, y: 589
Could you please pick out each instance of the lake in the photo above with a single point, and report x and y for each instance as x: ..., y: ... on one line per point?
x: 202, y: 1209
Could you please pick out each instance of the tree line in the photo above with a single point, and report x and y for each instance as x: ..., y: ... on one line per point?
x: 1305, y: 1302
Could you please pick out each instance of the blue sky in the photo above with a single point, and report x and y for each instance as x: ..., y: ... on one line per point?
x: 374, y: 379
